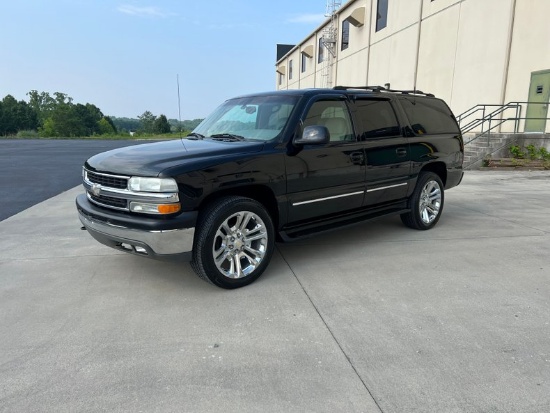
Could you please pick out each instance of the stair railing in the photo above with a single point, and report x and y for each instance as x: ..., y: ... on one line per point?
x: 491, y: 120
x: 485, y: 117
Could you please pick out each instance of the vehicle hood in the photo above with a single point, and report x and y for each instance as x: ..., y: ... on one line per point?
x: 152, y: 158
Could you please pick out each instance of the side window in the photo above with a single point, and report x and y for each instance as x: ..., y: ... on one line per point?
x: 321, y: 54
x: 345, y: 35
x: 376, y: 119
x: 381, y: 14
x: 429, y: 116
x: 334, y: 116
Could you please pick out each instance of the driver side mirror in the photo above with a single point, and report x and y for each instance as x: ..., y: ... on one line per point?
x: 313, y: 135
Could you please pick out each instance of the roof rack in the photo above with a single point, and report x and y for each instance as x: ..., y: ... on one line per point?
x: 383, y: 89
x: 369, y: 88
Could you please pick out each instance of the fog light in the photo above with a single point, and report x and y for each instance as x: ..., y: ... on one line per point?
x: 145, y: 208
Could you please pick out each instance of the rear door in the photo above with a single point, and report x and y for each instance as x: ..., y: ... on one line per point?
x: 387, y: 155
x: 326, y: 179
x: 434, y: 135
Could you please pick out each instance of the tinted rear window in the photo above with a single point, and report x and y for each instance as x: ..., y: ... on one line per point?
x: 377, y: 119
x: 429, y: 116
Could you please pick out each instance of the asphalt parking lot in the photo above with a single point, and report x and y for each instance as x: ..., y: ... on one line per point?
x: 374, y: 318
x: 33, y: 170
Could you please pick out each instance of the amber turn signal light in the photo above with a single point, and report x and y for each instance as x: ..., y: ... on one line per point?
x: 169, y: 208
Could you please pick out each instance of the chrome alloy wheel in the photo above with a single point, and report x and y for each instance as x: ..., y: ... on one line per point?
x: 430, y: 202
x: 240, y: 244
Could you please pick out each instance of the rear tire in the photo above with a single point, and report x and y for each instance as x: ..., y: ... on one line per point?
x: 426, y: 202
x: 234, y: 242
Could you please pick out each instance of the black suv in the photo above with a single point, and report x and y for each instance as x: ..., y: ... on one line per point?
x: 274, y: 166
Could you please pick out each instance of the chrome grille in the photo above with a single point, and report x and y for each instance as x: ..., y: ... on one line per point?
x: 111, y: 181
x: 109, y: 201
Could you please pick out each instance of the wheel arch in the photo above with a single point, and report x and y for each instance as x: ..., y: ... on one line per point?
x: 261, y: 193
x: 438, y: 168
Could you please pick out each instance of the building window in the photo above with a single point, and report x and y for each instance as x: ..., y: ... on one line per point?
x: 321, y: 51
x: 345, y: 35
x: 290, y: 70
x: 280, y: 78
x: 381, y: 14
x: 304, y: 62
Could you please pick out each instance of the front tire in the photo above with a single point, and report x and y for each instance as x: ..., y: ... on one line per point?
x: 234, y: 242
x: 426, y: 202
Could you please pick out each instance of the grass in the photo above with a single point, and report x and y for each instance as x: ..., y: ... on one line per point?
x: 123, y: 136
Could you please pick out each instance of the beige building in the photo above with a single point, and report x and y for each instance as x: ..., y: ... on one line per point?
x: 467, y: 52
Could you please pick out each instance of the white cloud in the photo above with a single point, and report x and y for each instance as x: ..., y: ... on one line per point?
x: 230, y: 26
x: 307, y: 18
x: 143, y: 11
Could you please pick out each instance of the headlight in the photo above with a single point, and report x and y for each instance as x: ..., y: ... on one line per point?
x: 139, y: 184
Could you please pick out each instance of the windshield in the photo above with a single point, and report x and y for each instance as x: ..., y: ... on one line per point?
x: 252, y: 118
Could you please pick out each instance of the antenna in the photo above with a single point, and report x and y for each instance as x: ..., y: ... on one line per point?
x: 179, y: 103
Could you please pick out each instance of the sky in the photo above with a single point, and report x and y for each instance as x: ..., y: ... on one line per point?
x: 125, y: 56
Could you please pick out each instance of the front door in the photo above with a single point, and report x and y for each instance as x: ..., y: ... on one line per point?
x: 326, y: 179
x: 537, y: 109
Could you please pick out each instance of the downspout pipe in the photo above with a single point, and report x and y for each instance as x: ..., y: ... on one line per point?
x: 507, y: 57
x: 418, y: 43
x: 369, y: 42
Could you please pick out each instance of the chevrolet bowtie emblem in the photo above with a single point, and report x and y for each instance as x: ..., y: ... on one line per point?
x: 96, y: 189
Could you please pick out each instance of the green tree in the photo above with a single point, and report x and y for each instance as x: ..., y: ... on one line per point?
x: 104, y: 127
x: 126, y: 124
x: 161, y: 125
x: 54, y: 115
x: 16, y: 116
x: 113, y: 126
x: 63, y: 98
x: 66, y: 121
x: 147, y: 122
x: 48, y: 129
x: 191, y: 124
x: 42, y: 103
x: 89, y: 115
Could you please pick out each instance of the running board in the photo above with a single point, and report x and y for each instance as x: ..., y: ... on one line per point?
x: 309, y: 229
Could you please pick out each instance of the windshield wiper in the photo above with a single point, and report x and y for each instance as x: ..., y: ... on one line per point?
x: 227, y: 137
x: 195, y: 136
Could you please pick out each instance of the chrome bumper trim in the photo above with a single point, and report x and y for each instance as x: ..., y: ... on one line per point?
x: 167, y: 242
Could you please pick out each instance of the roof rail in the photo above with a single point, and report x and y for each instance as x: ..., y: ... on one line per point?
x: 371, y: 88
x: 383, y: 89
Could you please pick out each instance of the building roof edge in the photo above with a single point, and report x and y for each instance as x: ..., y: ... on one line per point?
x: 298, y: 45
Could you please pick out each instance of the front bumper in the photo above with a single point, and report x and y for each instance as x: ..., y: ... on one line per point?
x: 164, y: 239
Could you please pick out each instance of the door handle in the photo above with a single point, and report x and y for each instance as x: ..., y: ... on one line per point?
x: 357, y: 158
x: 401, y: 152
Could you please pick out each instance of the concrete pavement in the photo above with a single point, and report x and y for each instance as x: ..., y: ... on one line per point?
x: 373, y: 318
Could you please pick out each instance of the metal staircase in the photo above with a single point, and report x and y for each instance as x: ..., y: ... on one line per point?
x: 484, y: 120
